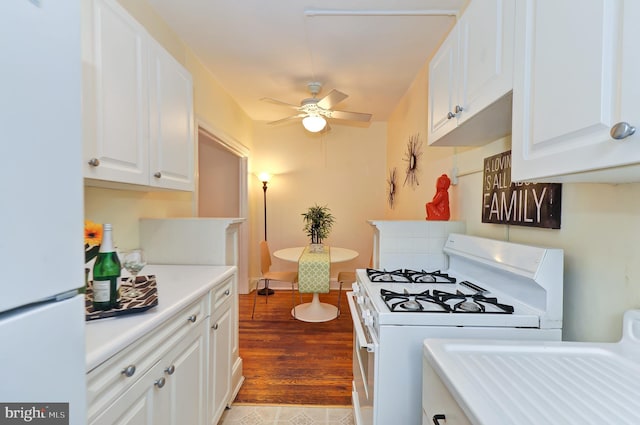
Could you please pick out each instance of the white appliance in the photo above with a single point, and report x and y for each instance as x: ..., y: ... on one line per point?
x: 491, y: 289
x: 534, y: 382
x: 42, y: 357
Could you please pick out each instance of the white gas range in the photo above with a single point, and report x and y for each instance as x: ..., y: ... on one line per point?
x: 491, y: 289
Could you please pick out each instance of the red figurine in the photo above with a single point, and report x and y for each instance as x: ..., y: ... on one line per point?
x: 438, y: 208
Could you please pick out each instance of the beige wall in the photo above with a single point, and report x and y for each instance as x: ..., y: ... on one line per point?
x: 410, y: 120
x: 343, y: 169
x: 600, y: 224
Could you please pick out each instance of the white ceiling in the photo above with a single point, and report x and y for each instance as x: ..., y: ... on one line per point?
x: 369, y: 49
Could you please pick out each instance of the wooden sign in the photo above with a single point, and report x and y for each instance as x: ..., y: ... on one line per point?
x: 520, y: 204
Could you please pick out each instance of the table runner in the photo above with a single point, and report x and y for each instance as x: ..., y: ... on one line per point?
x: 314, y: 271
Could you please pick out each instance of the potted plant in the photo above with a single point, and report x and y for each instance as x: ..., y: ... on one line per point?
x: 317, y: 224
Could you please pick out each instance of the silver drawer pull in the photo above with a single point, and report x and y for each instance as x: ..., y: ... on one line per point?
x: 459, y: 109
x: 214, y: 327
x: 157, y: 175
x: 94, y: 162
x: 159, y: 383
x: 192, y: 318
x: 129, y: 371
x: 450, y: 115
x: 622, y: 130
x: 170, y: 370
x: 227, y: 292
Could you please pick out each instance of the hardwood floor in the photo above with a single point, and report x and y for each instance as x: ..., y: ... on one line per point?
x: 287, y: 361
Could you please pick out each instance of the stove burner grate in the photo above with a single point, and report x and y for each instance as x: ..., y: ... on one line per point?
x: 442, y: 302
x: 411, y: 302
x: 472, y: 303
x: 409, y: 276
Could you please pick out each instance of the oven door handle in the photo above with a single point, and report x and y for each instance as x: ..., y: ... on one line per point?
x: 361, y: 336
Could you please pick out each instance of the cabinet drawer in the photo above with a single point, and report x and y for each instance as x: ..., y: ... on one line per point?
x: 136, y: 401
x: 109, y: 380
x: 220, y: 294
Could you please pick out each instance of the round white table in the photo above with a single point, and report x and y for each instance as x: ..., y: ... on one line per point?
x: 315, y: 311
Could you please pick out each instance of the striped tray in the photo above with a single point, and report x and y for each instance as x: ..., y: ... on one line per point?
x: 146, y: 300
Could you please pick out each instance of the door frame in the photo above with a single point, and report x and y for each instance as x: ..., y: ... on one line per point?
x: 242, y: 152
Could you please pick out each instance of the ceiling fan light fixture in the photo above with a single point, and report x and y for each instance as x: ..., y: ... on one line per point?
x: 314, y: 123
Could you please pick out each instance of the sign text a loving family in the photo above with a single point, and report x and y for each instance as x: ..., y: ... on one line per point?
x: 518, y: 203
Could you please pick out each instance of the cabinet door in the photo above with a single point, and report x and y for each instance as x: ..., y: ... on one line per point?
x: 181, y: 400
x: 136, y: 405
x: 220, y: 345
x: 171, y: 122
x: 486, y: 55
x: 471, y: 77
x: 443, y: 88
x: 576, y: 75
x: 437, y: 400
x: 115, y: 103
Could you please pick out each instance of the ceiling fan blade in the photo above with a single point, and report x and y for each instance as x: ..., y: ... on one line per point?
x: 293, y: 117
x: 333, y: 98
x: 351, y: 116
x: 279, y: 102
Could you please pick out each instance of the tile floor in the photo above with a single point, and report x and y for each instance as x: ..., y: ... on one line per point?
x: 245, y: 414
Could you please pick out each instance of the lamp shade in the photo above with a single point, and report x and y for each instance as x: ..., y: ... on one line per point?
x: 264, y: 177
x: 314, y: 123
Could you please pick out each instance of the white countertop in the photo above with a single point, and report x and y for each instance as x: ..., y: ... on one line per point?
x: 178, y: 286
x: 526, y: 382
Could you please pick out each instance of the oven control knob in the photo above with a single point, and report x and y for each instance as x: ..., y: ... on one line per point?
x: 355, y: 288
x: 360, y: 299
x: 367, y: 317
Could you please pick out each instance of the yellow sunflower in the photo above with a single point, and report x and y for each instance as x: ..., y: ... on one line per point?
x: 92, y: 233
x: 92, y: 240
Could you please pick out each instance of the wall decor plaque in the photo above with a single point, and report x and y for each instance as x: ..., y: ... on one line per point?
x: 518, y: 203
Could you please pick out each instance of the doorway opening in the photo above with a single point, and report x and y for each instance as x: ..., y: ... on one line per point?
x: 222, y: 189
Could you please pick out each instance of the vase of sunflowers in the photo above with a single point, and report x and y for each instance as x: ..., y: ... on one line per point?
x: 92, y: 241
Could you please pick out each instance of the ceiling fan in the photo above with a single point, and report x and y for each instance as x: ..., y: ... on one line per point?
x: 314, y: 111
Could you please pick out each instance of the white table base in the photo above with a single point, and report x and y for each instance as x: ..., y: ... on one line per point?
x: 315, y: 311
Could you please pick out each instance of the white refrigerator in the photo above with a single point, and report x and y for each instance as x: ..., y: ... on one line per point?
x: 42, y: 356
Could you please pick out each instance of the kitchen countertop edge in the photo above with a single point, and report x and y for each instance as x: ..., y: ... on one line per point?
x: 178, y: 286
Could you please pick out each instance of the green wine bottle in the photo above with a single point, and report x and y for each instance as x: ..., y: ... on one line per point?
x: 106, y: 273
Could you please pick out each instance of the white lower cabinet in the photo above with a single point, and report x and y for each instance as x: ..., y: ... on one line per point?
x: 180, y: 399
x: 219, y: 364
x: 438, y: 405
x: 135, y: 405
x: 170, y: 393
x: 221, y: 331
x: 179, y: 373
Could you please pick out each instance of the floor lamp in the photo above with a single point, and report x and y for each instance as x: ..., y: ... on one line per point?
x: 265, y: 179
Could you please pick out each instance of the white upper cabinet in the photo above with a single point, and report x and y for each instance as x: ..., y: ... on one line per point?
x: 471, y: 77
x: 443, y: 88
x: 137, y: 104
x: 577, y: 74
x: 171, y: 122
x: 115, y: 107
